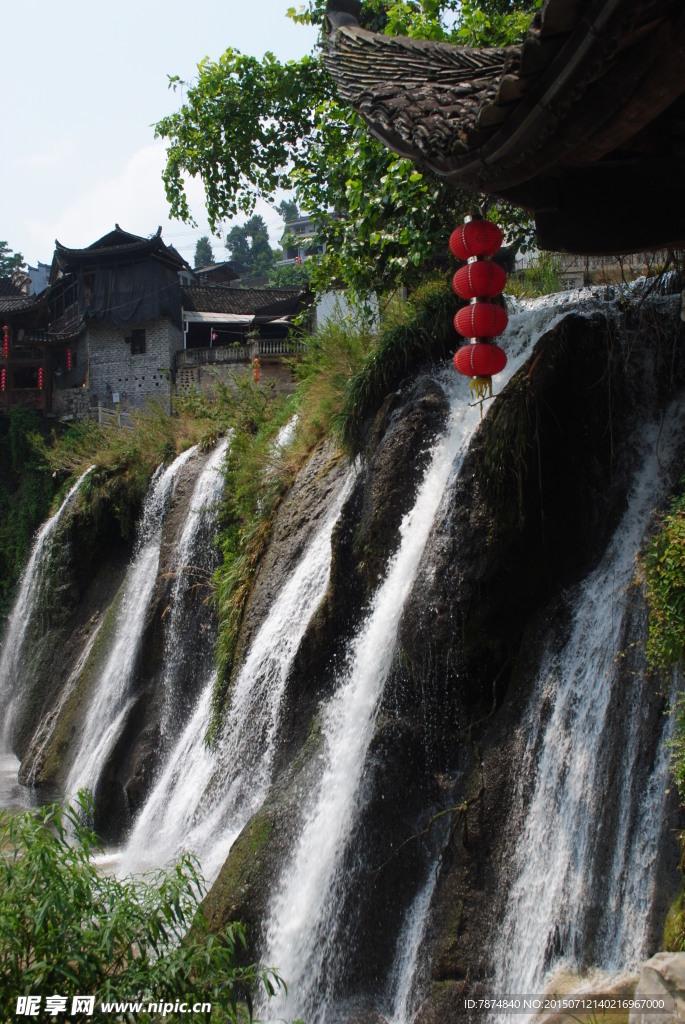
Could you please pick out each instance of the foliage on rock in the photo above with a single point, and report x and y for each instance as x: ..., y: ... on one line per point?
x: 26, y: 492
x: 664, y: 565
x: 414, y: 334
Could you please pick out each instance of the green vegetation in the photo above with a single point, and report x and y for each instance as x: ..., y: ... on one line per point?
x: 68, y: 928
x: 541, y: 278
x: 124, y: 460
x: 26, y: 493
x: 664, y: 566
x: 9, y: 260
x: 292, y: 275
x: 663, y: 570
x: 248, y: 248
x: 249, y: 127
x: 412, y: 335
x: 204, y: 255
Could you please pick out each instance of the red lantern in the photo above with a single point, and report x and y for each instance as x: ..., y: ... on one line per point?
x: 3, y: 379
x: 68, y: 360
x: 256, y: 368
x: 481, y: 359
x: 479, y: 279
x: 40, y: 377
x: 481, y: 320
x: 475, y: 238
x: 5, y: 342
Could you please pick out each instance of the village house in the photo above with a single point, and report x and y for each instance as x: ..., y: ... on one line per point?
x: 114, y: 322
x: 24, y: 353
x: 123, y: 316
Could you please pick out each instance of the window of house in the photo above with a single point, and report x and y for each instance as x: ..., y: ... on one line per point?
x: 137, y: 340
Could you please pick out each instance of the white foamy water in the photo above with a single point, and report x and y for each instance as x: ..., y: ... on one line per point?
x: 402, y: 988
x: 193, y: 560
x: 203, y: 798
x: 301, y: 932
x: 545, y: 924
x: 23, y: 610
x: 111, y: 697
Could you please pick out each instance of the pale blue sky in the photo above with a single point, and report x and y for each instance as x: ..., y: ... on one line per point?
x: 82, y: 83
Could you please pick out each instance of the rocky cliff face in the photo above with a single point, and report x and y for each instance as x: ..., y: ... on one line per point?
x: 529, y: 516
x: 70, y: 642
x: 448, y: 773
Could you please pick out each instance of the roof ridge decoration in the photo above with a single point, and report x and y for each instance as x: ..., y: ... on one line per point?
x: 115, y: 245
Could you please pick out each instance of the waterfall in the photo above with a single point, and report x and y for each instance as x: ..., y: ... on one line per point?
x: 194, y: 558
x: 28, y: 599
x: 302, y: 927
x: 584, y: 730
x: 112, y: 697
x: 214, y: 794
x: 402, y: 988
x: 301, y: 933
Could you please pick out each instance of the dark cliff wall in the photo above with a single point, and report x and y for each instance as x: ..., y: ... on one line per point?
x: 536, y: 500
x: 534, y: 505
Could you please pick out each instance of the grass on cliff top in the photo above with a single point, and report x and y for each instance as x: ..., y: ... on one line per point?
x: 414, y: 333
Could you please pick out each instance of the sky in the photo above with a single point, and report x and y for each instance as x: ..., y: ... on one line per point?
x: 83, y: 84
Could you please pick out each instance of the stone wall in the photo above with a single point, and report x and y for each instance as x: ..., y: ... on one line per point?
x: 71, y: 403
x: 135, y: 378
x: 204, y: 377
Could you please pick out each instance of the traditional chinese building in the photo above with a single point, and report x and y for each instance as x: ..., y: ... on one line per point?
x: 25, y: 359
x: 583, y: 124
x: 115, y: 322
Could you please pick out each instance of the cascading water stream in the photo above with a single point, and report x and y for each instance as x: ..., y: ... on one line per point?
x: 111, y: 695
x: 203, y: 798
x: 28, y: 600
x: 402, y: 988
x: 193, y: 560
x: 529, y: 319
x: 552, y: 917
x: 301, y: 932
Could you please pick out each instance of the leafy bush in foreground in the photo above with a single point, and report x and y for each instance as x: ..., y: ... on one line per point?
x: 69, y: 929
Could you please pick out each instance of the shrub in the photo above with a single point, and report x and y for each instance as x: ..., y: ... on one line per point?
x: 68, y: 928
x: 664, y: 567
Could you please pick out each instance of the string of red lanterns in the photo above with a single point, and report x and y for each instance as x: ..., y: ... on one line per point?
x: 476, y: 241
x: 6, y: 342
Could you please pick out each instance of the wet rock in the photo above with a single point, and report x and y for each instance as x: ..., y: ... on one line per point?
x: 662, y: 978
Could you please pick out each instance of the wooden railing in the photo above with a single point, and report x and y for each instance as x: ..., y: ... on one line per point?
x: 114, y: 418
x: 239, y: 353
x: 225, y: 354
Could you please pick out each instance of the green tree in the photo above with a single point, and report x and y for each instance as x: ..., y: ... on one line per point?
x: 249, y: 127
x: 68, y: 928
x: 203, y: 252
x: 26, y: 491
x: 288, y: 210
x: 291, y: 275
x: 9, y: 260
x: 248, y: 247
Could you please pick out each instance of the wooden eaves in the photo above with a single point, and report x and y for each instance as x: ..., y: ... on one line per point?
x: 583, y: 125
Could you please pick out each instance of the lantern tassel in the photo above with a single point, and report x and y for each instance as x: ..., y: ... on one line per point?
x: 481, y: 388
